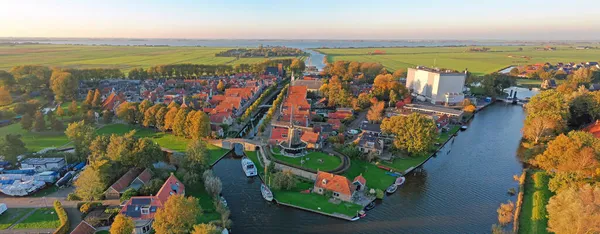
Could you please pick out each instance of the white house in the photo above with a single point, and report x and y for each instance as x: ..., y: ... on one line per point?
x: 436, y: 86
x: 43, y: 164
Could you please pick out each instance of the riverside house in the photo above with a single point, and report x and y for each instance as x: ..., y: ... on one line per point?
x: 341, y: 187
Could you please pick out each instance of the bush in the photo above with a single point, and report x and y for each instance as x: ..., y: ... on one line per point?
x: 379, y: 194
x: 284, y: 180
x: 73, y: 197
x: 213, y: 185
x: 62, y: 216
x: 128, y: 194
x: 505, y: 213
x: 538, y: 179
x: 89, y: 206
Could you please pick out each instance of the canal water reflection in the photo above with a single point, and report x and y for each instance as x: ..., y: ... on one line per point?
x: 458, y: 191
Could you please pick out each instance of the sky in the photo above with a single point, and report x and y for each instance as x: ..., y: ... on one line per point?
x: 306, y: 19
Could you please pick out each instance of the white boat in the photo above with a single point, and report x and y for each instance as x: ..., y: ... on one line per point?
x: 463, y: 128
x: 248, y: 167
x: 266, y: 192
x: 392, y: 188
x: 400, y: 181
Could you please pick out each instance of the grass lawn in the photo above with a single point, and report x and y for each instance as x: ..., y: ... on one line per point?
x: 206, y: 202
x: 315, y: 201
x: 376, y: 177
x: 46, y: 191
x: 444, y: 136
x: 41, y: 218
x: 402, y: 164
x: 165, y: 140
x: 120, y: 57
x: 311, y: 160
x: 458, y: 58
x: 11, y: 216
x: 35, y: 141
x: 526, y: 224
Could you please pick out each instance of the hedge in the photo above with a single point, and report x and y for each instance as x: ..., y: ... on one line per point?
x: 62, y: 216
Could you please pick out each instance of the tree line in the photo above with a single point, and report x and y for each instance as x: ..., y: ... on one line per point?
x: 269, y: 51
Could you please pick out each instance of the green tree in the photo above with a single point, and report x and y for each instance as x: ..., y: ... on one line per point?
x: 57, y: 125
x: 583, y: 109
x: 11, y: 147
x: 90, y: 117
x: 40, y: 123
x: 97, y: 101
x: 26, y: 121
x: 73, y: 109
x: 5, y: 97
x: 414, y: 133
x: 575, y: 210
x: 178, y: 215
x: 7, y: 80
x: 107, y: 116
x: 196, y: 156
x: 122, y: 225
x: 82, y: 135
x: 64, y: 85
x: 547, y: 113
x: 146, y: 152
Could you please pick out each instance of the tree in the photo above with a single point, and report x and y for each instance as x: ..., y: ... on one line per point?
x: 159, y: 118
x: 107, y: 116
x: 73, y: 109
x: 179, y: 122
x: 576, y: 153
x: 400, y: 73
x: 40, y: 123
x: 170, y: 118
x: 97, y: 101
x: 11, y: 147
x: 122, y: 225
x: 550, y: 107
x: 213, y: 185
x: 199, y: 125
x: 90, y: 185
x: 196, y: 156
x: 57, y: 125
x: 206, y: 229
x: 583, y: 109
x: 60, y: 112
x: 515, y: 71
x: 64, y: 85
x: 582, y: 76
x: 143, y: 106
x: 128, y: 111
x: 5, y: 97
x: 284, y: 180
x: 7, y: 80
x: 375, y: 114
x: 130, y: 192
x: 178, y: 215
x: 575, y: 210
x: 89, y: 98
x: 82, y: 135
x: 221, y: 86
x: 146, y: 152
x: 26, y: 121
x: 90, y: 117
x: 297, y: 66
x: 414, y: 133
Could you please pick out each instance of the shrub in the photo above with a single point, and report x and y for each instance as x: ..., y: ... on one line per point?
x: 62, y: 216
x: 505, y: 213
x: 128, y: 194
x: 212, y: 184
x: 73, y: 197
x: 284, y: 180
x: 89, y: 206
x: 379, y: 194
x: 538, y: 179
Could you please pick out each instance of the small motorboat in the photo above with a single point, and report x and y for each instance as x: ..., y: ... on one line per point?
x: 400, y: 181
x: 370, y: 206
x: 355, y: 218
x: 248, y: 167
x: 223, y: 201
x: 362, y: 214
x: 392, y: 188
x: 266, y: 192
x: 463, y: 128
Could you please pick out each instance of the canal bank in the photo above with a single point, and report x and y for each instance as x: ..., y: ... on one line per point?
x: 458, y: 191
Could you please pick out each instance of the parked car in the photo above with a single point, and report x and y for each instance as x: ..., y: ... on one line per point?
x: 353, y: 131
x: 2, y: 208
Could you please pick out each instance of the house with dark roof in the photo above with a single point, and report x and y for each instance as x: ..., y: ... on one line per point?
x: 143, y: 208
x: 369, y: 143
x: 122, y: 184
x: 371, y: 129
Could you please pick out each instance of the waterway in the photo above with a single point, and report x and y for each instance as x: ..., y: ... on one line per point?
x: 458, y: 191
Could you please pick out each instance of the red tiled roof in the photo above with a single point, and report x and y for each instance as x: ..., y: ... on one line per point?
x: 84, y: 228
x: 219, y: 117
x: 594, y: 129
x: 111, y: 100
x: 335, y: 183
x: 360, y: 179
x: 171, y: 187
x: 277, y: 133
x: 310, y: 137
x: 336, y: 123
x: 145, y: 176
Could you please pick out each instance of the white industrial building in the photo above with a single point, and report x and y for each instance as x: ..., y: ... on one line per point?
x: 436, y: 86
x: 43, y: 164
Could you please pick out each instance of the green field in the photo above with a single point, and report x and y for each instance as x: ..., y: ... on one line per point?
x: 526, y: 224
x: 311, y: 161
x: 12, y: 215
x: 165, y: 140
x: 458, y: 58
x: 376, y: 177
x: 35, y: 141
x: 41, y: 218
x: 121, y: 57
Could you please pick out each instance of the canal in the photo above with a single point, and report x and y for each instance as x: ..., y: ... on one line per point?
x: 457, y: 191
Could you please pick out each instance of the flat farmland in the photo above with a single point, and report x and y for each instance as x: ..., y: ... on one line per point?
x: 459, y: 58
x: 121, y: 57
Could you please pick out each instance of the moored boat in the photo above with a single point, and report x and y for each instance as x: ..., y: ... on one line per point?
x: 400, y: 181
x: 248, y: 167
x: 463, y: 128
x: 370, y: 206
x: 392, y: 188
x: 266, y: 192
x: 362, y: 214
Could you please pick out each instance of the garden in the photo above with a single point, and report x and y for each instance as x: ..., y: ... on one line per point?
x: 43, y: 218
x: 12, y: 215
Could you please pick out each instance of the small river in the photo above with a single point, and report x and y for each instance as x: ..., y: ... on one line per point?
x: 457, y: 191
